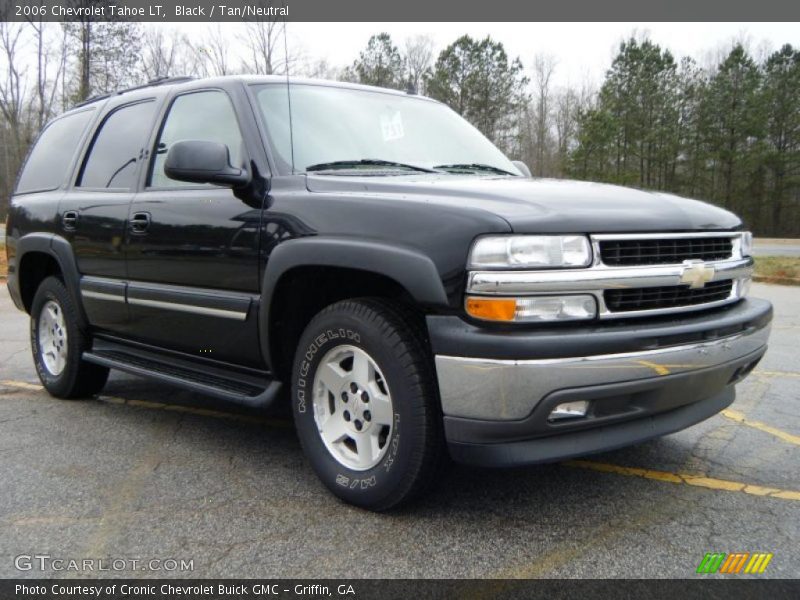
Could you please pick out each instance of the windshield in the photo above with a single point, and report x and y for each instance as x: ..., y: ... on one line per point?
x: 368, y: 131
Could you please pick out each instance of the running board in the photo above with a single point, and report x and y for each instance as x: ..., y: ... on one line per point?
x: 258, y: 392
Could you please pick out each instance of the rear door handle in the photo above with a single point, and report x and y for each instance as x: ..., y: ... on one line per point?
x: 70, y: 220
x: 140, y: 222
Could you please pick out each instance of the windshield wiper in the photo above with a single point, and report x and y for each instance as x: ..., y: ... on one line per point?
x: 473, y: 167
x: 365, y: 162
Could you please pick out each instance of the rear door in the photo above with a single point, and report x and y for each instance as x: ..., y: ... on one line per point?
x: 94, y: 210
x: 193, y: 249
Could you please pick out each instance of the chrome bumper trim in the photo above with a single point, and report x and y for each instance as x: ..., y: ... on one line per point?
x: 510, y: 389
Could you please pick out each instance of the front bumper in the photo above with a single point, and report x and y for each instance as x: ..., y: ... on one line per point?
x: 642, y: 380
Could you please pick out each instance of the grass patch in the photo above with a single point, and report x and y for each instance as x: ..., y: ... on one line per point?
x: 778, y: 269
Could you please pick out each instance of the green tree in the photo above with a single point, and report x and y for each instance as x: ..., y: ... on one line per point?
x: 734, y: 126
x: 691, y: 171
x: 380, y: 64
x: 781, y: 101
x: 633, y: 134
x: 477, y: 80
x: 640, y: 93
x: 594, y: 155
x: 105, y: 54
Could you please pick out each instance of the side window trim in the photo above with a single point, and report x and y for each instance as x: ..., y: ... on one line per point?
x: 66, y: 180
x: 161, y: 121
x: 277, y: 166
x: 88, y: 145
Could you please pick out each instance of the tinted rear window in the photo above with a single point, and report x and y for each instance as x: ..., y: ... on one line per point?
x: 113, y: 157
x: 51, y: 156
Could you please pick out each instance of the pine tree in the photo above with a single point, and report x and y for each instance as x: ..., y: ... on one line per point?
x: 477, y: 80
x: 380, y: 64
x: 735, y: 122
x: 106, y: 56
x: 781, y: 99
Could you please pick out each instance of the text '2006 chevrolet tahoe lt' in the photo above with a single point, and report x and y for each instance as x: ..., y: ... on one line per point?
x: 369, y: 257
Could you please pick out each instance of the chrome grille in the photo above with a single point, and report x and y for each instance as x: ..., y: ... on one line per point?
x: 625, y: 288
x: 666, y: 296
x: 664, y: 251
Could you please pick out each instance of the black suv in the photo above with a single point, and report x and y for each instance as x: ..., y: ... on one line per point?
x: 413, y: 292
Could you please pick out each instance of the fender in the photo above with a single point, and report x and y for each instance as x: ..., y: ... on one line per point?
x: 60, y: 249
x: 411, y: 269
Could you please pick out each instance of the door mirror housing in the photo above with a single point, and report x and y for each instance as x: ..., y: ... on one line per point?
x: 522, y: 167
x: 201, y: 161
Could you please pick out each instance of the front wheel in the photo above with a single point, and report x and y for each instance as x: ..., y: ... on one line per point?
x: 58, y: 342
x: 365, y: 403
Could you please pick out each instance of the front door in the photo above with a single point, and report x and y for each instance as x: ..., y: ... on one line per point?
x: 193, y: 249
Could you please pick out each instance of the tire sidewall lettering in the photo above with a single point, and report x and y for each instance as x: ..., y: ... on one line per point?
x: 302, y: 381
x: 307, y: 363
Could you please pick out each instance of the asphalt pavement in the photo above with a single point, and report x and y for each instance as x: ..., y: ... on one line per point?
x: 145, y: 472
x: 776, y: 247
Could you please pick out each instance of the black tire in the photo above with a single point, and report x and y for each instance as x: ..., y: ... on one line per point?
x: 394, y: 339
x: 78, y: 378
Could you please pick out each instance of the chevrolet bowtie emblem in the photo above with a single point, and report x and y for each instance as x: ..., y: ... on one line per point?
x: 696, y: 273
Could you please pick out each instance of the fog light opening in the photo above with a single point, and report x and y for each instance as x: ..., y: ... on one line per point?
x: 569, y: 410
x: 743, y: 289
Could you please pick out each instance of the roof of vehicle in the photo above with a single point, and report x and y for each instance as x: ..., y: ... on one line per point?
x: 167, y: 83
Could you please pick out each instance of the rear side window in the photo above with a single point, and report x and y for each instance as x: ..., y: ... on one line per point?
x: 117, y: 148
x: 207, y: 116
x: 47, y: 164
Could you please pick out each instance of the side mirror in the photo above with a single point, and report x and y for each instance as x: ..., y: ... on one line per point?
x: 522, y: 167
x: 203, y: 162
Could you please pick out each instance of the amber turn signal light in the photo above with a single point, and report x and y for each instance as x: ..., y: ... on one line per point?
x: 492, y: 309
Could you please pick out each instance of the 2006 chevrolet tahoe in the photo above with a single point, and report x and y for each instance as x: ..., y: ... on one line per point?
x: 370, y: 253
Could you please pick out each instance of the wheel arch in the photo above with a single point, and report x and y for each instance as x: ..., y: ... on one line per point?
x: 370, y: 268
x: 40, y: 255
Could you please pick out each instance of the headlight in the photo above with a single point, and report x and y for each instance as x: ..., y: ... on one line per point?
x: 747, y: 243
x: 530, y: 251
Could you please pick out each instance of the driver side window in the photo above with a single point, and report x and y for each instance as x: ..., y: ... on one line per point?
x: 207, y: 116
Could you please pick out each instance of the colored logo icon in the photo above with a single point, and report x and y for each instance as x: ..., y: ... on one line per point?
x: 734, y: 564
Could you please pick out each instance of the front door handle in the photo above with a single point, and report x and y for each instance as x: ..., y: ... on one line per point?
x: 140, y: 222
x: 70, y: 220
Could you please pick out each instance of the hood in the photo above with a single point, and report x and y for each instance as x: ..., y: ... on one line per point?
x: 541, y: 205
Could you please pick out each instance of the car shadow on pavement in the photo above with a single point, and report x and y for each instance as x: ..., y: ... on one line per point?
x: 460, y: 489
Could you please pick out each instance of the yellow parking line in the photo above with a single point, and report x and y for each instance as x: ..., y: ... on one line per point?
x: 735, y: 415
x: 203, y: 412
x: 20, y: 384
x: 776, y: 373
x: 664, y: 476
x: 686, y: 479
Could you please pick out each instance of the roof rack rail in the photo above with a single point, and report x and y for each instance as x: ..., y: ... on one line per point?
x: 91, y: 100
x: 166, y: 79
x: 152, y: 83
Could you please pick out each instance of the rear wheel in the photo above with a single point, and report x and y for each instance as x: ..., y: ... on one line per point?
x: 366, y: 405
x: 58, y: 343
